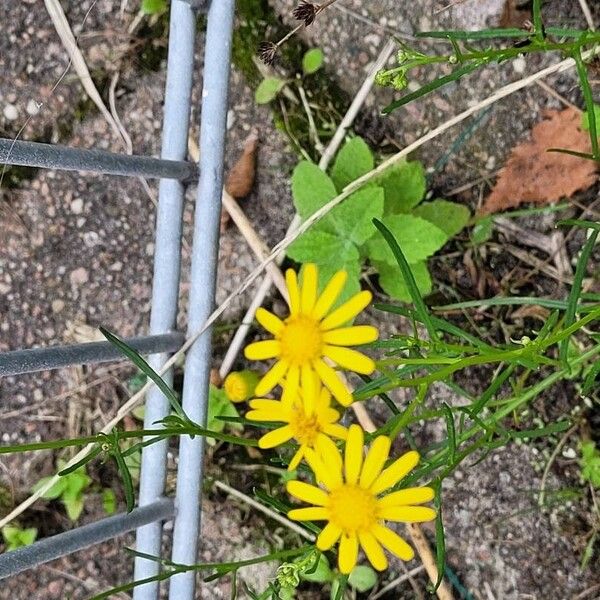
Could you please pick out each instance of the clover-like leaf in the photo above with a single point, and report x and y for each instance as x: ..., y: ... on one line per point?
x: 353, y: 160
x: 404, y: 185
x: 450, y: 217
x: 268, y: 90
x: 394, y: 285
x: 312, y: 61
x: 417, y: 237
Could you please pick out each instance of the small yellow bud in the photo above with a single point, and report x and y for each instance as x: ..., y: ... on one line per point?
x: 240, y: 385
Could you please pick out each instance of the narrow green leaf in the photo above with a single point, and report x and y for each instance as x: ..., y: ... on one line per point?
x: 126, y: 478
x: 538, y: 25
x: 574, y: 294
x: 408, y: 277
x: 451, y: 431
x: 484, y: 34
x: 139, y: 362
x: 153, y: 7
x: 588, y: 96
x: 440, y: 536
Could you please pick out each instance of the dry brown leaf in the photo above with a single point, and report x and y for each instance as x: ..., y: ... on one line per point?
x: 532, y: 174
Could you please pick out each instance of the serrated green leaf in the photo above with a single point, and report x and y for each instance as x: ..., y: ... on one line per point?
x: 393, y: 284
x: 418, y: 238
x: 450, y: 217
x: 153, y: 7
x: 311, y: 189
x: 362, y: 578
x: 15, y: 537
x: 352, y: 220
x: 404, y: 185
x: 312, y: 61
x: 55, y: 491
x: 268, y: 90
x: 322, y: 248
x: 74, y: 507
x: 353, y: 160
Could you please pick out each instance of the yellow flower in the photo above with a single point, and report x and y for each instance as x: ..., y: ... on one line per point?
x: 307, y: 415
x: 312, y: 333
x: 240, y: 385
x: 353, y: 499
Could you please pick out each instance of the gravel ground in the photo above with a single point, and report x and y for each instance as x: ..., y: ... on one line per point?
x: 76, y: 252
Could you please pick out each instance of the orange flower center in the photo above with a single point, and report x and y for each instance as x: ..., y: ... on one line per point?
x: 301, y: 340
x: 352, y: 508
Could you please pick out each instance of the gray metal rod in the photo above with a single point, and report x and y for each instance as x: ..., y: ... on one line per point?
x: 65, y: 543
x: 202, y: 291
x: 18, y: 362
x: 165, y: 287
x: 50, y: 156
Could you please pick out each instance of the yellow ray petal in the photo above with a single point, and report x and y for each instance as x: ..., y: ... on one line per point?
x: 265, y: 416
x: 322, y: 473
x: 374, y: 461
x: 351, y: 336
x: 292, y: 382
x: 276, y: 437
x: 269, y: 321
x: 262, y: 350
x: 328, y: 537
x: 347, y: 311
x: 348, y: 553
x: 349, y: 359
x: 332, y: 460
x: 266, y: 404
x: 298, y: 456
x: 407, y: 514
x: 291, y: 281
x: 271, y: 378
x: 336, y: 430
x: 373, y: 550
x: 333, y: 382
x: 308, y: 290
x: 330, y: 294
x: 353, y: 455
x: 395, y: 472
x: 307, y: 493
x: 312, y: 513
x: 408, y: 496
x: 393, y: 542
x: 308, y: 381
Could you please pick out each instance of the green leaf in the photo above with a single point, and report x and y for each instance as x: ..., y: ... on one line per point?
x: 585, y: 118
x: 450, y: 217
x: 362, y: 578
x: 219, y: 405
x: 590, y: 463
x: 312, y: 61
x: 311, y: 189
x: 417, y: 237
x: 322, y: 248
x: 109, y: 501
x: 74, y: 507
x: 55, y: 491
x: 353, y: 160
x: 153, y: 7
x: 268, y: 90
x: 15, y: 537
x: 394, y: 285
x: 352, y: 220
x: 404, y: 185
x: 322, y: 574
x: 482, y: 231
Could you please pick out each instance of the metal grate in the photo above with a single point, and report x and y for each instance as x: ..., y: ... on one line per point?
x: 174, y: 172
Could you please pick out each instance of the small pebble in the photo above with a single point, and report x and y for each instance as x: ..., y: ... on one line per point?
x: 57, y: 306
x: 77, y: 206
x: 79, y: 276
x: 10, y: 112
x: 32, y: 108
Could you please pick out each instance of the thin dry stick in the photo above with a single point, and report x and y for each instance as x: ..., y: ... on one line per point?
x: 138, y: 397
x: 65, y: 33
x: 266, y: 510
x: 588, y: 14
x: 396, y: 582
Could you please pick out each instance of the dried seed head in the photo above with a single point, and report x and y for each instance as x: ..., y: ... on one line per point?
x: 305, y: 11
x: 267, y: 52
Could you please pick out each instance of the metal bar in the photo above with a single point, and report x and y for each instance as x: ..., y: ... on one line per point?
x: 31, y: 360
x: 50, y: 156
x: 65, y: 543
x: 202, y: 292
x: 165, y: 287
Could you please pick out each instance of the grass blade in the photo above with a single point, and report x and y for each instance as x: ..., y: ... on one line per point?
x: 589, y: 100
x: 420, y: 307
